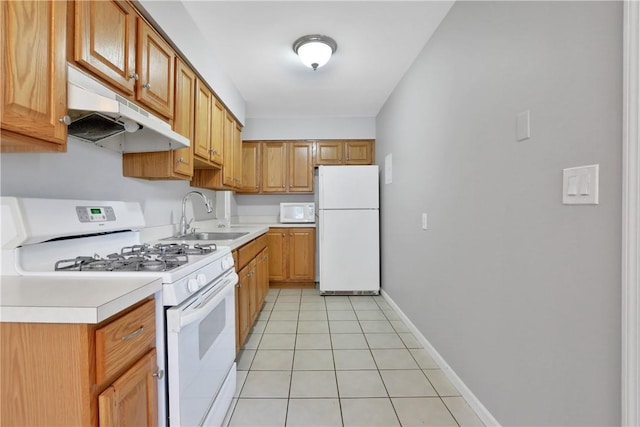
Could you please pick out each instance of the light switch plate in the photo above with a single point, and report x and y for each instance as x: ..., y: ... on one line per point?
x: 580, y: 185
x: 523, y: 125
x: 388, y: 169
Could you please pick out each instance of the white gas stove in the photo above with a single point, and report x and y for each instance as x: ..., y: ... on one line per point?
x: 196, y: 326
x: 44, y: 237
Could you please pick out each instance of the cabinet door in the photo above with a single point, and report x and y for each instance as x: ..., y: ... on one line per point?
x: 302, y: 254
x: 155, y: 61
x: 228, y: 150
x: 203, y: 131
x: 274, y: 167
x: 251, y: 167
x: 34, y: 76
x: 105, y: 41
x: 329, y: 152
x: 237, y: 156
x: 184, y: 117
x: 300, y: 167
x: 263, y: 275
x: 276, y: 238
x: 132, y: 400
x: 359, y: 152
x: 244, y: 310
x: 253, y: 289
x: 217, y: 133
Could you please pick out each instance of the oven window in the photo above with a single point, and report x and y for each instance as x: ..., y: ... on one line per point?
x: 210, y: 328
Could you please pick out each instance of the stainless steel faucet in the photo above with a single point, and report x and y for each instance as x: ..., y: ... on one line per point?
x: 184, y: 224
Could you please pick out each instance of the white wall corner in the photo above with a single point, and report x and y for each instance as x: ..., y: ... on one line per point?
x: 483, y: 413
x: 630, y: 374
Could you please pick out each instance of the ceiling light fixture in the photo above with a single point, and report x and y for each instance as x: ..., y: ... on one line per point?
x: 315, y: 50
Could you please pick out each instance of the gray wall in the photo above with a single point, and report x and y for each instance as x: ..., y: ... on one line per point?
x: 519, y: 293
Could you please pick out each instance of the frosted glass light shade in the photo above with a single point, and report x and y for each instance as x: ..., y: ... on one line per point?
x: 315, y: 50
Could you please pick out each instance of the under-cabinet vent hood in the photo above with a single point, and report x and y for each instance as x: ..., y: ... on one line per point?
x: 101, y: 116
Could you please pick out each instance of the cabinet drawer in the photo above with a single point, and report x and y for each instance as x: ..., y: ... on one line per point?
x: 123, y: 341
x: 247, y: 252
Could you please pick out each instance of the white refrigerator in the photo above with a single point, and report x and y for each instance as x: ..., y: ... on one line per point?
x: 348, y: 230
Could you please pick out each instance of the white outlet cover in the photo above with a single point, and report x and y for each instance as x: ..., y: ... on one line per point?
x: 580, y: 185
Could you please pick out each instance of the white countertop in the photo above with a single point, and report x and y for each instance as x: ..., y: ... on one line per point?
x: 70, y: 299
x: 253, y: 229
x: 46, y: 299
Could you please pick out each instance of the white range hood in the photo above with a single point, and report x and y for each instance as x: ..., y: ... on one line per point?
x: 101, y: 116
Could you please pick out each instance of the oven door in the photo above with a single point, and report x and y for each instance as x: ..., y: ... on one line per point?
x: 200, y: 351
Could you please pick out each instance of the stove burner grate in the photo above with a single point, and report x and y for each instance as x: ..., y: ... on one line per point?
x: 160, y: 257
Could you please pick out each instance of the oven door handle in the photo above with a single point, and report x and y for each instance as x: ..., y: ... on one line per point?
x: 203, y: 306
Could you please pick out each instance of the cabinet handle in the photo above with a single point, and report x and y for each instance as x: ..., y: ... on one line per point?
x: 159, y: 374
x: 133, y: 334
x: 147, y: 85
x: 65, y: 119
x: 134, y: 76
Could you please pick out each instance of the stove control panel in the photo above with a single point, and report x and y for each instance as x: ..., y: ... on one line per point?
x: 95, y: 213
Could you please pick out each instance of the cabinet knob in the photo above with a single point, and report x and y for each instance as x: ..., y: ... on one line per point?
x: 282, y: 185
x: 65, y: 119
x: 134, y: 76
x: 159, y: 374
x: 147, y: 85
x: 282, y: 234
x: 181, y: 160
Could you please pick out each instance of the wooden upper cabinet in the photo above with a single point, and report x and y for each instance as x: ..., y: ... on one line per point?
x: 184, y: 116
x: 203, y: 132
x: 217, y: 132
x: 345, y: 152
x: 329, y: 152
x: 274, y: 167
x: 155, y: 59
x: 34, y: 77
x: 359, y: 152
x: 176, y: 164
x: 251, y: 167
x: 300, y: 167
x: 228, y: 151
x: 237, y: 156
x: 105, y: 41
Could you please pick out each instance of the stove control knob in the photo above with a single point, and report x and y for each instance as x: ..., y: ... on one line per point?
x: 202, y: 279
x: 193, y: 285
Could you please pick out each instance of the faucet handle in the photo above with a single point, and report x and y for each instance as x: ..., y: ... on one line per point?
x: 188, y: 227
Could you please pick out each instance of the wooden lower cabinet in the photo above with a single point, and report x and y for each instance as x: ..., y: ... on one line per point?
x: 252, y: 263
x: 80, y: 374
x: 132, y: 399
x: 292, y: 256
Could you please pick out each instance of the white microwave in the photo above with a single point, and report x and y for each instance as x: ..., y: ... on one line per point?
x: 298, y: 212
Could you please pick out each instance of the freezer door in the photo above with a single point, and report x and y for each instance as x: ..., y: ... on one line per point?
x: 348, y: 187
x: 349, y: 251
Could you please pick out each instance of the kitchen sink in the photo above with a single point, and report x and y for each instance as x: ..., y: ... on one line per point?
x: 210, y: 235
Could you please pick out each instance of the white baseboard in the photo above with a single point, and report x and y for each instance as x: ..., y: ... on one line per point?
x: 465, y: 392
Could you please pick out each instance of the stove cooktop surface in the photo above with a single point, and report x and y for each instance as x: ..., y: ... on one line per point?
x: 143, y: 257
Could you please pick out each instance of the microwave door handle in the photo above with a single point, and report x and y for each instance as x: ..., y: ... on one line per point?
x: 202, y: 311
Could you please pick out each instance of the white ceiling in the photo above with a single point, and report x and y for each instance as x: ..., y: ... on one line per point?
x: 377, y: 42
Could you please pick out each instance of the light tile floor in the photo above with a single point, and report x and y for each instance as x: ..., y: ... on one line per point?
x: 339, y: 361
